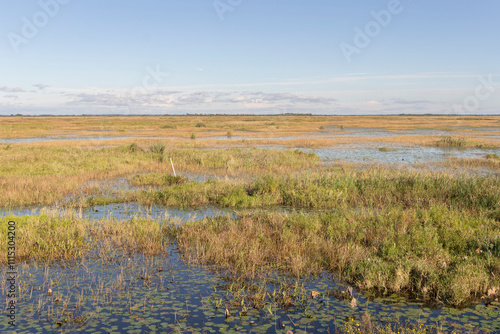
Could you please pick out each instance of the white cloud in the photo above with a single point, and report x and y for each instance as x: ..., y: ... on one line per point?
x: 12, y: 89
x: 41, y: 86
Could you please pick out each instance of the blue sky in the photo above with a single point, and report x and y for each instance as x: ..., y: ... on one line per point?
x: 249, y: 56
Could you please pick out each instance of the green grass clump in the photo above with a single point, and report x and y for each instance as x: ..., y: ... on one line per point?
x: 201, y: 125
x: 385, y: 149
x: 158, y: 148
x: 132, y: 148
x: 453, y: 142
x: 463, y: 142
x: 168, y: 126
x: 493, y: 156
x: 157, y: 179
x: 96, y: 201
x: 45, y: 237
x: 193, y: 136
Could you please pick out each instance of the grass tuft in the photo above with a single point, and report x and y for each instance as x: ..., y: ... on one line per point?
x: 158, y: 148
x: 158, y: 179
x: 168, y: 126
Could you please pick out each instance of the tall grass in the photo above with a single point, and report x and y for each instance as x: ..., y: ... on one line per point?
x: 45, y: 238
x: 340, y: 188
x: 50, y: 237
x: 434, y: 253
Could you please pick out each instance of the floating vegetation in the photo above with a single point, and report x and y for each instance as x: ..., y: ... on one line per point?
x: 386, y: 149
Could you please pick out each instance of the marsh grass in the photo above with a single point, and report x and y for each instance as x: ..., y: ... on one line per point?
x: 379, y: 188
x: 158, y: 179
x: 491, y: 164
x: 451, y: 141
x: 97, y: 201
x: 27, y: 127
x: 45, y: 238
x: 169, y: 126
x: 50, y: 237
x: 45, y: 174
x: 427, y: 253
x: 157, y: 148
x: 493, y: 156
x: 136, y: 235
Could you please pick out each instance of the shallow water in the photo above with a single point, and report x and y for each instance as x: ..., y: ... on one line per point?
x: 124, y: 211
x: 134, y: 294
x: 148, y: 294
x: 397, y: 153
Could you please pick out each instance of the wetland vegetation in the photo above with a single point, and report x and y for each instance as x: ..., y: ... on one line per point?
x: 311, y: 244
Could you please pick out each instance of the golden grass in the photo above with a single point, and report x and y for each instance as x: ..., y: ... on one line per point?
x: 491, y: 164
x: 41, y: 174
x: 183, y: 126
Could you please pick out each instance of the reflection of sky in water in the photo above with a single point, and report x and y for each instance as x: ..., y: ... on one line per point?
x: 396, y: 154
x: 175, y: 295
x: 330, y: 132
x: 128, y: 210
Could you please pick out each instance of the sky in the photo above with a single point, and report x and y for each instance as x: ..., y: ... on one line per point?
x: 338, y: 57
